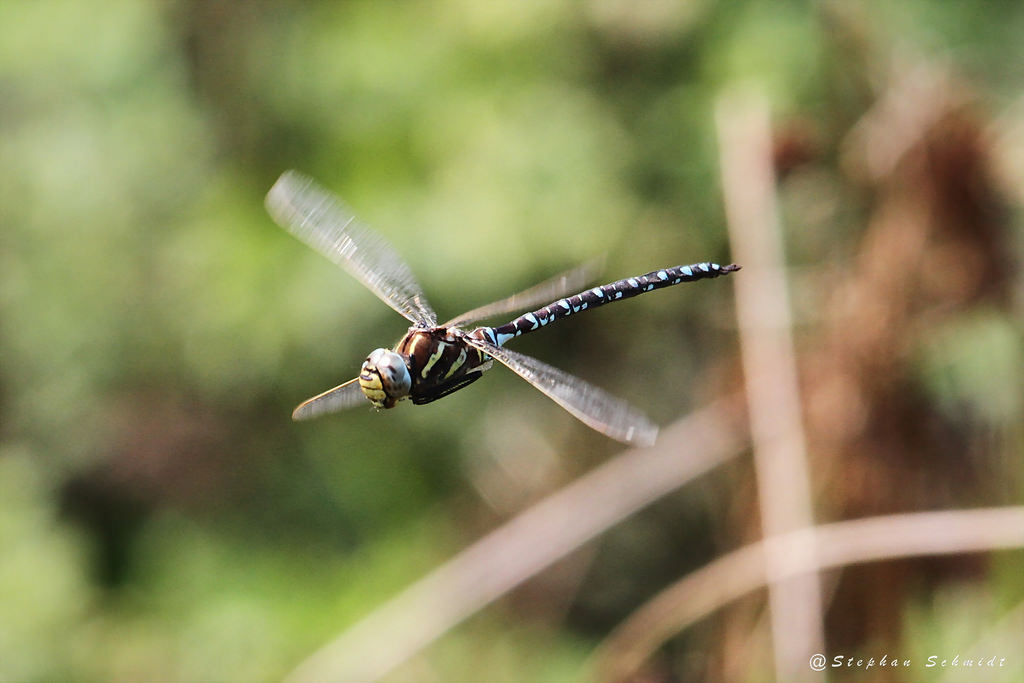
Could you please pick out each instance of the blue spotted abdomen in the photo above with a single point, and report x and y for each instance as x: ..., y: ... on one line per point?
x: 599, y: 296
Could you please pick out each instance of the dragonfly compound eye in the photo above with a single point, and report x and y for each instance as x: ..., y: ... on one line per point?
x: 385, y: 378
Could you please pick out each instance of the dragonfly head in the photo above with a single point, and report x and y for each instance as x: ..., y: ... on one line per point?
x: 385, y: 378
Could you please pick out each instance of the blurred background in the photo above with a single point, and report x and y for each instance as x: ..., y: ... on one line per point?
x: 162, y: 518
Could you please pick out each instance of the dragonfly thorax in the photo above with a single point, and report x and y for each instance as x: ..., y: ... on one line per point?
x: 385, y: 378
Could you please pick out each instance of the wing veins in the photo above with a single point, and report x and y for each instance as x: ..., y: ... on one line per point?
x: 547, y: 291
x: 594, y: 407
x: 339, y: 398
x: 325, y: 223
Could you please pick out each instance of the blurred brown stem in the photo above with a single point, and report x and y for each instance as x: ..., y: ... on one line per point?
x: 769, y: 366
x: 840, y: 544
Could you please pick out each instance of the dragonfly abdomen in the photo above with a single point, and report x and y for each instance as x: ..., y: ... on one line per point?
x: 599, y: 296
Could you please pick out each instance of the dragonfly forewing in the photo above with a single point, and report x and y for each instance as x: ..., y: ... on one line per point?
x: 342, y: 397
x: 592, y: 406
x: 322, y: 221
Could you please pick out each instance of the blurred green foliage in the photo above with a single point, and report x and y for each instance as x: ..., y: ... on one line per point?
x: 160, y: 517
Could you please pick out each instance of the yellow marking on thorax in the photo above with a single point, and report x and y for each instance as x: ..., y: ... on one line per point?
x: 457, y: 364
x: 434, y: 357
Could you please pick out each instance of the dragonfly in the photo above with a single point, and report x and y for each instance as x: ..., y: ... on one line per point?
x: 432, y: 360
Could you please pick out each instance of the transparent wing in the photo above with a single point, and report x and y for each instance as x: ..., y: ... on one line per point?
x: 322, y: 221
x: 570, y: 281
x: 595, y: 408
x: 340, y: 397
